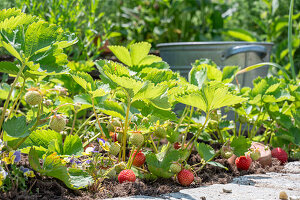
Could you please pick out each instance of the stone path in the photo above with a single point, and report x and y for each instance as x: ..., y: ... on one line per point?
x: 249, y: 187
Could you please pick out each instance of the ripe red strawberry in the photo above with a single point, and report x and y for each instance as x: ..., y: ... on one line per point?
x: 243, y: 162
x: 114, y: 137
x: 139, y: 159
x: 177, y: 145
x: 185, y: 177
x: 126, y: 175
x: 280, y: 154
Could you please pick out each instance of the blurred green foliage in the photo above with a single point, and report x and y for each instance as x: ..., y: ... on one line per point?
x: 99, y: 23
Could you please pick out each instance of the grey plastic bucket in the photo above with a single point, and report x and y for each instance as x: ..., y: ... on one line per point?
x: 180, y: 55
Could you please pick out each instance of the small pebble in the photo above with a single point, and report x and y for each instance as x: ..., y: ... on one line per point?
x: 283, y: 195
x: 227, y: 190
x: 294, y: 197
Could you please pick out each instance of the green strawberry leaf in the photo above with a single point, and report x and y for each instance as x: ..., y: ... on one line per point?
x: 72, y: 145
x: 216, y: 164
x: 112, y: 108
x: 240, y: 145
x: 138, y: 51
x: 8, y: 67
x: 17, y: 127
x: 54, y: 167
x: 229, y: 73
x: 122, y: 54
x: 40, y: 140
x: 148, y: 60
x: 205, y: 151
x: 84, y: 80
x: 8, y: 13
x: 79, y: 179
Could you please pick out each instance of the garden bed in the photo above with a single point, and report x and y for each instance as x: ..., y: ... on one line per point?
x: 49, y: 188
x: 65, y: 134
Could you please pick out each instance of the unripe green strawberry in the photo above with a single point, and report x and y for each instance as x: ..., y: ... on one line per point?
x: 33, y: 97
x: 175, y: 168
x: 255, y: 154
x: 120, y: 166
x: 136, y: 139
x: 111, y: 173
x: 110, y: 128
x: 57, y: 123
x: 114, y: 148
x: 116, y: 123
x: 160, y: 132
x: 120, y: 137
x: 226, y: 152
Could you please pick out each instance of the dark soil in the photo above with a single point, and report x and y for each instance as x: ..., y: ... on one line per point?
x: 48, y: 188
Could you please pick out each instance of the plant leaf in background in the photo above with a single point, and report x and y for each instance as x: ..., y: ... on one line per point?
x: 241, y: 34
x: 35, y: 42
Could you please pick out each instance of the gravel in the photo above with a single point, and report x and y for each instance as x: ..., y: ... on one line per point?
x: 249, y: 187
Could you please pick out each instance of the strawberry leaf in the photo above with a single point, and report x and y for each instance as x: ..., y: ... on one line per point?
x: 138, y: 52
x: 240, y: 145
x: 205, y: 151
x: 17, y: 127
x: 72, y: 145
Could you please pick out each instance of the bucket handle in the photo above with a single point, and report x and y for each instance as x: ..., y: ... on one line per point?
x: 260, y: 50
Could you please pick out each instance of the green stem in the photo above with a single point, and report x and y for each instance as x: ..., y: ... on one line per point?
x: 91, y: 140
x: 181, y: 118
x: 130, y: 161
x: 217, y: 154
x: 198, y: 133
x: 154, y: 146
x: 9, y: 95
x: 97, y: 118
x: 196, y: 136
x: 188, y: 126
x: 17, y: 100
x: 234, y: 134
x: 125, y: 128
x: 88, y: 129
x: 84, y: 123
x: 290, y: 42
x: 240, y: 129
x: 255, y: 124
x: 220, y: 135
x: 73, y: 124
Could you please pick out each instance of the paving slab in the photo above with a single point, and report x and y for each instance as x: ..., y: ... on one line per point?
x: 250, y: 187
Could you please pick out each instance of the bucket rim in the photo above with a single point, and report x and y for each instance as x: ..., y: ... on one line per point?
x: 212, y: 43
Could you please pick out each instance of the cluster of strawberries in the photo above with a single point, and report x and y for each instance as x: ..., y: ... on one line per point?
x: 244, y: 162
